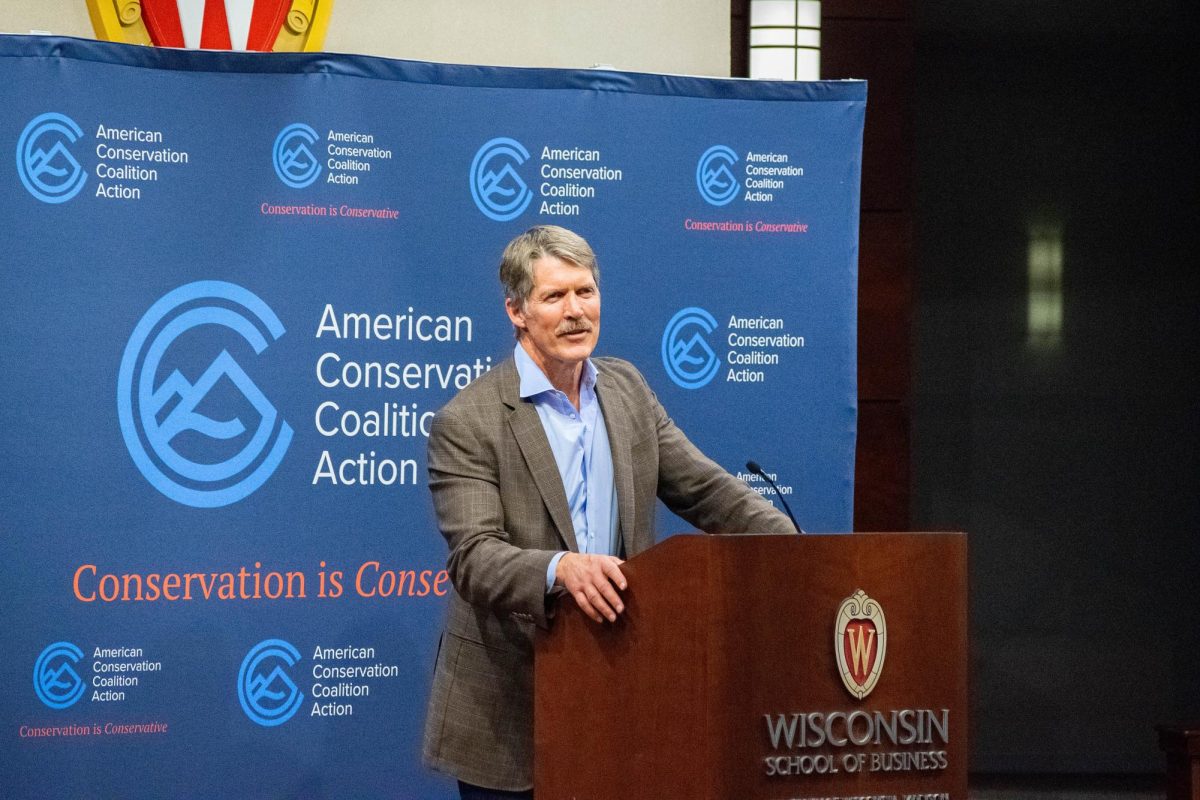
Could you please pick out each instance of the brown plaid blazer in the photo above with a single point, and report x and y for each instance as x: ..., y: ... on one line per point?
x: 501, y: 506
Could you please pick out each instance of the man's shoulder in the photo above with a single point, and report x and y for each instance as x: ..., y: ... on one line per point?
x: 485, y: 392
x: 616, y: 376
x: 618, y: 369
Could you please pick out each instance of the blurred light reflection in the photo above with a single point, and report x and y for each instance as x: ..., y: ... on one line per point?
x: 1045, y: 308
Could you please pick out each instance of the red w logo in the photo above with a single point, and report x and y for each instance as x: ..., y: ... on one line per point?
x: 859, y: 646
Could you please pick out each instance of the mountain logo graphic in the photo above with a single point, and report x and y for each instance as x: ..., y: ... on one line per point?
x: 265, y: 687
x: 189, y: 437
x: 714, y: 177
x: 294, y: 161
x: 496, y: 187
x: 686, y: 355
x: 45, y: 165
x: 55, y: 679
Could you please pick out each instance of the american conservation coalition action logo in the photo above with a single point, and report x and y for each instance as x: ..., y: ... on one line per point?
x: 266, y: 690
x: 47, y: 169
x: 55, y: 680
x: 185, y: 453
x: 860, y: 642
x: 496, y: 188
x: 714, y: 176
x: 295, y: 163
x: 686, y: 354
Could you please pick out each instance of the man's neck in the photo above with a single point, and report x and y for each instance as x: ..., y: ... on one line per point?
x: 563, y: 376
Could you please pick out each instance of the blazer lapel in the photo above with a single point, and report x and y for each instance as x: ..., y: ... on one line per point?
x: 527, y: 429
x: 620, y: 442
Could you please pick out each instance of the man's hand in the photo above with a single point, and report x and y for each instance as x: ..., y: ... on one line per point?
x: 593, y: 581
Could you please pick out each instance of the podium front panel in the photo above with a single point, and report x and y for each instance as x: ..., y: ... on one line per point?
x: 765, y: 667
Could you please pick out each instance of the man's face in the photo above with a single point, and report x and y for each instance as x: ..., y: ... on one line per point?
x: 561, y: 318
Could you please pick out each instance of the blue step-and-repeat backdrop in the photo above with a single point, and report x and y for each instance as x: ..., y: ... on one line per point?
x: 237, y: 287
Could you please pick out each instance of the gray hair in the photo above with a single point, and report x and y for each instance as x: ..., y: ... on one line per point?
x: 516, y: 265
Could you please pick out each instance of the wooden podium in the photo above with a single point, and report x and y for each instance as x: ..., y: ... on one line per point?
x: 728, y: 649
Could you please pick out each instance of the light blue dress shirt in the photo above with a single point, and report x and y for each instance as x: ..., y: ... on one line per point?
x: 579, y: 441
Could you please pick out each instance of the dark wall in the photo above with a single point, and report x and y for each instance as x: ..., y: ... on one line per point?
x: 1073, y: 464
x: 873, y: 39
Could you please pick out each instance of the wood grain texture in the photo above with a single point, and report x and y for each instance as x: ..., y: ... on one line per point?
x: 722, y: 630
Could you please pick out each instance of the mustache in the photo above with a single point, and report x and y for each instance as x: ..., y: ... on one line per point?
x: 573, y: 327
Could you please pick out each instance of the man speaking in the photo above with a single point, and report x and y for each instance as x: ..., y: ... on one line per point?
x: 544, y: 474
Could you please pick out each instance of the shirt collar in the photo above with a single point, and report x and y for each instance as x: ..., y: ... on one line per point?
x: 535, y: 382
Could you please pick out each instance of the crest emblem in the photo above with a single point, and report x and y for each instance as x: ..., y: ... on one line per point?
x: 264, y: 25
x: 860, y: 643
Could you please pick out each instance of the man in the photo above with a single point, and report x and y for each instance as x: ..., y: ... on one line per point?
x: 544, y: 473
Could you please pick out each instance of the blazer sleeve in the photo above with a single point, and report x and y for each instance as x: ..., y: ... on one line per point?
x: 486, y: 567
x: 702, y: 492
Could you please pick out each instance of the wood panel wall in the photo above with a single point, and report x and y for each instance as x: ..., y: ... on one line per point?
x: 873, y: 39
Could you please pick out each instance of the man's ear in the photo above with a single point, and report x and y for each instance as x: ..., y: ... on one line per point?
x: 515, y: 313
